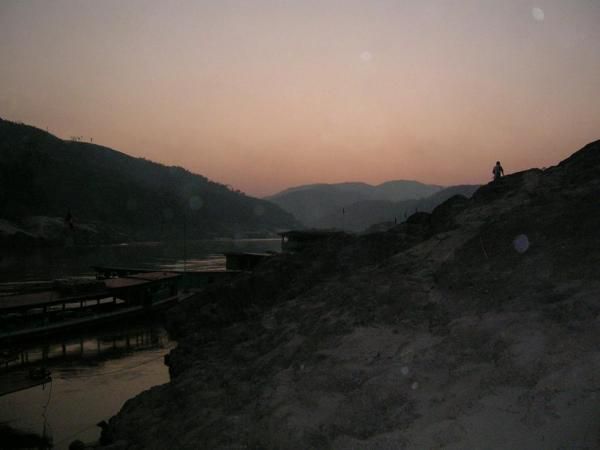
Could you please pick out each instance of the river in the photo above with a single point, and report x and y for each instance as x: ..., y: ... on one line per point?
x: 95, y: 373
x: 58, y: 262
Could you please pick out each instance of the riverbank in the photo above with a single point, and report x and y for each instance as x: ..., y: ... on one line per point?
x: 471, y: 327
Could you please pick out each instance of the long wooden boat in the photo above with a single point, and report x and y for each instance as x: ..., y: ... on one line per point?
x: 89, y: 320
x: 47, y: 312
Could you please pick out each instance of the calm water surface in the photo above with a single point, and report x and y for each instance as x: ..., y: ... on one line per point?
x: 94, y: 374
x: 61, y: 262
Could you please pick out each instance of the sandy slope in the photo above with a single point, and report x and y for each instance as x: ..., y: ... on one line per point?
x: 473, y: 327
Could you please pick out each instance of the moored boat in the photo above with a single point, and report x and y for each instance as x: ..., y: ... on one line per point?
x: 33, y: 314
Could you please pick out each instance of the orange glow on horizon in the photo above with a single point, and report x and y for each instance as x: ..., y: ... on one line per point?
x: 265, y: 95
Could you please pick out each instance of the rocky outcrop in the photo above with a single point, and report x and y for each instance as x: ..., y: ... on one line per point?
x: 471, y: 327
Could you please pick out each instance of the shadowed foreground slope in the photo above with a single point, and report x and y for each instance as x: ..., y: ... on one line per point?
x: 475, y: 326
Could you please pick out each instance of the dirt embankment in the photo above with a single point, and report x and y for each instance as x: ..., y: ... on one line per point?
x: 471, y: 327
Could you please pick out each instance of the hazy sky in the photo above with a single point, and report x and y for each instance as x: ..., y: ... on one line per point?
x: 263, y: 95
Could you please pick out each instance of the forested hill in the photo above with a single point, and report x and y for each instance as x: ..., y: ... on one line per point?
x: 115, y: 196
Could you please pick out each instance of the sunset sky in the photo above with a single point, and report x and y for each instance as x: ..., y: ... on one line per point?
x: 264, y: 95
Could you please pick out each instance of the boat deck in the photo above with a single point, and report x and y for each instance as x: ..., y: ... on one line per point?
x: 19, y: 302
x: 69, y: 324
x: 112, y: 287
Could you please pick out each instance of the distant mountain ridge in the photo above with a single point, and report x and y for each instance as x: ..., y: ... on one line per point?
x: 394, y: 190
x: 115, y: 197
x: 361, y: 215
x: 355, y: 206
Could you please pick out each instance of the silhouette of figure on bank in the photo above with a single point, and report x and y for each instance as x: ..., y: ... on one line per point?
x: 498, y: 171
x: 69, y: 220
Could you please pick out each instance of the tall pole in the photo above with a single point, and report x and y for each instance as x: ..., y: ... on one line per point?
x: 184, y: 239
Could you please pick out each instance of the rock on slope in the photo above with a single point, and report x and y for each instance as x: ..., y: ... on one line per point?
x: 475, y: 326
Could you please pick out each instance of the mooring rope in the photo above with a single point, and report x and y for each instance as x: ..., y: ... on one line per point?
x: 45, y: 410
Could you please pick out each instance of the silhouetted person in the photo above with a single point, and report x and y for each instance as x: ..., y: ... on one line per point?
x: 498, y: 171
x: 69, y: 220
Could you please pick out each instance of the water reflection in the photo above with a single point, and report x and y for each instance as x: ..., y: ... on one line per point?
x: 92, y: 376
x: 83, y: 350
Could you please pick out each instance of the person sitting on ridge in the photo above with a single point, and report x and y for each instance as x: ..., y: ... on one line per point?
x: 498, y: 171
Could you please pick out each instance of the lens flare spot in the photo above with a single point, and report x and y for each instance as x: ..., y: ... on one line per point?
x: 366, y: 56
x: 538, y: 14
x: 521, y: 243
x: 195, y: 203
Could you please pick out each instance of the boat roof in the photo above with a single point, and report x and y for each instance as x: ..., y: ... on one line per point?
x: 314, y: 234
x: 53, y: 297
x: 138, y: 279
x: 154, y: 276
x: 247, y: 254
x: 44, y: 298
